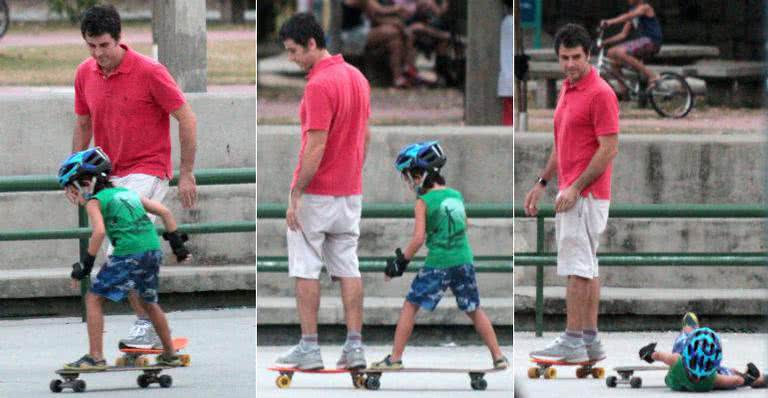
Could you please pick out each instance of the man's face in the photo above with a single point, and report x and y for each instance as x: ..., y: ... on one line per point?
x: 104, y: 49
x: 574, y: 62
x: 299, y: 54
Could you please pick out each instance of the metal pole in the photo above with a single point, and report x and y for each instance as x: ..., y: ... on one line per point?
x: 539, y: 277
x: 85, y: 284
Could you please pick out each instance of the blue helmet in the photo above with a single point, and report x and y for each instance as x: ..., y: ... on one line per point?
x: 426, y: 156
x: 702, y: 353
x: 91, y: 162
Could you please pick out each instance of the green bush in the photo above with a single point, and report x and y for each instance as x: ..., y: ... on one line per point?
x: 72, y: 9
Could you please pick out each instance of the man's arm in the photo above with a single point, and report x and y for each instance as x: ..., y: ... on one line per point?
x: 627, y: 16
x: 310, y: 160
x: 188, y: 142
x: 609, y: 148
x: 83, y: 133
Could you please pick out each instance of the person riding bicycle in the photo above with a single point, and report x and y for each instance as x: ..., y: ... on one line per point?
x: 641, y: 18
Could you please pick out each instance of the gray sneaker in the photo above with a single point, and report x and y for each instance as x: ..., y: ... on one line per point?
x: 560, y: 350
x: 142, y: 335
x: 301, y: 359
x: 595, y: 351
x: 352, y: 358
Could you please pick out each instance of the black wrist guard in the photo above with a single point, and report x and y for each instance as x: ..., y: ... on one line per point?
x: 751, y: 375
x: 176, y: 240
x: 646, y: 353
x: 396, y: 266
x: 83, y: 268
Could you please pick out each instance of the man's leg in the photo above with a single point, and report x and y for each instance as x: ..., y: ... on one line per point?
x: 577, y: 296
x: 308, y: 304
x: 95, y: 315
x: 592, y: 304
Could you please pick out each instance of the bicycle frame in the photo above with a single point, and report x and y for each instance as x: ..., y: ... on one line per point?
x: 603, y: 69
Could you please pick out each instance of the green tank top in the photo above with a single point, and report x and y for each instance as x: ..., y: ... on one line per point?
x: 446, y: 229
x: 128, y: 227
x: 677, y: 379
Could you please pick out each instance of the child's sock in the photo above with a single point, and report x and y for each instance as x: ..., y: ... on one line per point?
x: 590, y: 336
x: 308, y: 342
x: 354, y: 339
x: 573, y: 337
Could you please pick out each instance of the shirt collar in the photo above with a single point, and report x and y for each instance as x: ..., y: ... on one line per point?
x: 126, y: 64
x: 324, y: 63
x: 584, y: 82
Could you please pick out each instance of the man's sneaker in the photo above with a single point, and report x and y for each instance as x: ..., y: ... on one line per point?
x: 387, y: 363
x: 142, y: 335
x: 352, y: 358
x: 501, y: 363
x: 559, y: 350
x: 595, y: 351
x: 301, y: 359
x: 168, y: 360
x: 86, y: 362
x: 690, y: 320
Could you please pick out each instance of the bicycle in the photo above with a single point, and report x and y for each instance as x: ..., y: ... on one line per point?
x: 670, y: 96
x: 5, y: 18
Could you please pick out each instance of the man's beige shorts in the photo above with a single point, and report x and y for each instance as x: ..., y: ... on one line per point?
x: 330, y: 229
x: 577, y: 233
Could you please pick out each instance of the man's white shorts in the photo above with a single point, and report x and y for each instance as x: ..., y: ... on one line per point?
x: 145, y: 185
x: 577, y: 233
x: 330, y: 229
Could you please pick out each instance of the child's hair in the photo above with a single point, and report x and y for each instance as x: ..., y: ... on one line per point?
x: 430, y: 180
x: 101, y: 182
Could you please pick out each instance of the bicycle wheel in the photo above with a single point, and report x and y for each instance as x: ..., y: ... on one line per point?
x: 5, y: 18
x: 671, y: 96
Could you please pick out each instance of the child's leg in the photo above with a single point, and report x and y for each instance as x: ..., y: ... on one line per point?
x: 668, y: 358
x: 157, y: 316
x: 404, y: 329
x: 95, y: 315
x: 484, y: 328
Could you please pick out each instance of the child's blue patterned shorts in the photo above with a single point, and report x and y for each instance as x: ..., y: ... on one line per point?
x: 430, y: 284
x: 121, y: 274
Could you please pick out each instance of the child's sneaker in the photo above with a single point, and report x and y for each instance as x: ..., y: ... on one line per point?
x: 690, y: 320
x: 86, y: 362
x: 501, y: 363
x: 168, y: 360
x: 387, y: 363
x: 595, y: 351
x: 142, y: 335
x: 301, y: 359
x: 559, y: 350
x: 352, y: 358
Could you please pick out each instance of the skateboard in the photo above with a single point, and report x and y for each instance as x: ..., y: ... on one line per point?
x: 370, y: 377
x: 625, y: 375
x: 132, y: 360
x: 285, y: 376
x: 546, y: 368
x: 135, y: 356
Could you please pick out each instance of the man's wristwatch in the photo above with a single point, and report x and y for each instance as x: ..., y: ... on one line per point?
x: 541, y: 181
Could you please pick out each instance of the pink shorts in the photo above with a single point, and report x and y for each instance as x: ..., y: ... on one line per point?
x: 642, y: 47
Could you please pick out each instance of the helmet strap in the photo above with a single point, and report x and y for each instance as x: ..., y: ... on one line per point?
x: 86, y: 192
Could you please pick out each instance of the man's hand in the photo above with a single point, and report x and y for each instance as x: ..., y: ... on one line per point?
x: 291, y: 216
x: 187, y: 190
x: 566, y: 199
x: 532, y: 199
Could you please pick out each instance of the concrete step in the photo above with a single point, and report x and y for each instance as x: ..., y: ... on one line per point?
x: 379, y: 311
x: 280, y: 285
x: 55, y: 282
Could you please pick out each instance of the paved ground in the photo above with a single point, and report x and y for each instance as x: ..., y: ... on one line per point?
x: 622, y: 351
x: 401, y: 385
x: 222, y: 346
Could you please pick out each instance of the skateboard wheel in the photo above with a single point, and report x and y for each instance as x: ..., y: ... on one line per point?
x: 186, y: 360
x: 283, y: 381
x: 143, y: 381
x: 479, y: 384
x: 598, y: 373
x: 79, y: 386
x: 635, y: 382
x: 372, y: 383
x: 55, y: 385
x: 358, y: 380
x: 165, y: 381
x: 610, y: 381
x: 533, y: 373
x: 582, y: 373
x: 550, y: 373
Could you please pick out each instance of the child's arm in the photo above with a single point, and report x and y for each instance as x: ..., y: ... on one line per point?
x: 395, y: 267
x: 669, y: 358
x: 83, y: 268
x: 727, y: 382
x: 172, y: 235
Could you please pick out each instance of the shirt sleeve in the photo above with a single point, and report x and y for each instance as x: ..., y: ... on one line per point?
x: 604, y: 113
x: 164, y: 90
x: 81, y: 105
x: 318, y: 107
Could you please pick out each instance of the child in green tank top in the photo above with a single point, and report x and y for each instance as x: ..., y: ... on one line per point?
x: 120, y: 215
x: 441, y: 223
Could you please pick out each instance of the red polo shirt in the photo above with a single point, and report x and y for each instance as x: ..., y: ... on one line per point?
x: 585, y: 110
x: 336, y: 100
x: 130, y: 112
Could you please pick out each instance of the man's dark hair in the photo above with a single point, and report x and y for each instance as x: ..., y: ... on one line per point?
x: 572, y: 35
x: 101, y: 19
x: 300, y: 28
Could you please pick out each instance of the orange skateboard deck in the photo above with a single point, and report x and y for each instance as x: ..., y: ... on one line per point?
x: 546, y: 368
x: 134, y: 356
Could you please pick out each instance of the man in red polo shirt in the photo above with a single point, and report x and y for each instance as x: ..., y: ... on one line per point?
x: 586, y: 141
x: 123, y: 101
x: 325, y: 201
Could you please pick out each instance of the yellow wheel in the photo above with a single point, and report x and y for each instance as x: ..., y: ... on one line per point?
x: 359, y: 381
x: 141, y: 361
x: 534, y: 373
x: 283, y: 381
x: 598, y: 373
x: 186, y: 360
x: 550, y: 373
x: 582, y: 373
x: 120, y: 361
